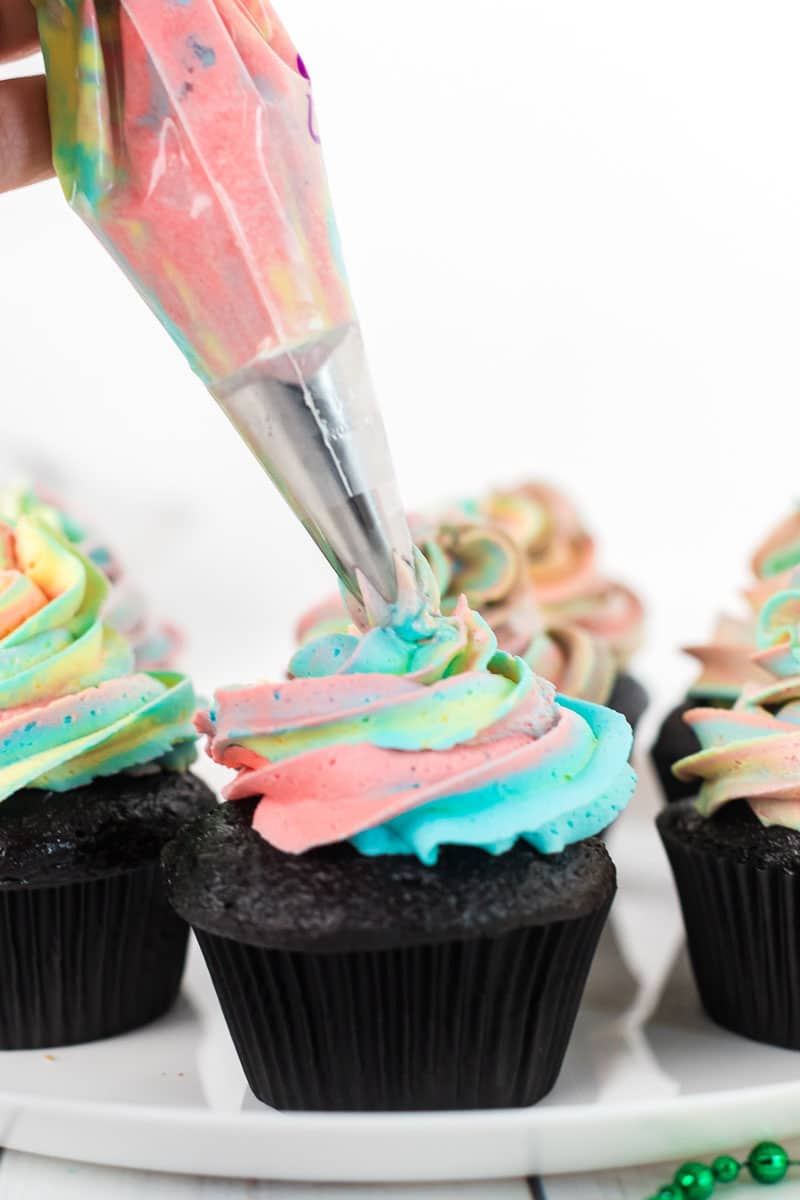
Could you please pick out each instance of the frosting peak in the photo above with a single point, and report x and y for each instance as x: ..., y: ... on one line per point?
x: 426, y: 651
x: 404, y: 741
x: 473, y: 557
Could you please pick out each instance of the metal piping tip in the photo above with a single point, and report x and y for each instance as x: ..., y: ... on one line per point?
x: 311, y: 419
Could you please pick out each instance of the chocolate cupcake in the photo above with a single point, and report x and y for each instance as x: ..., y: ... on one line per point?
x: 571, y: 627
x: 401, y: 900
x: 735, y: 850
x: 727, y: 663
x: 93, y: 781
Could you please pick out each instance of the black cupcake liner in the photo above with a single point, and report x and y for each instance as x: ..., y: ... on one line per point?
x: 479, y: 1023
x: 675, y: 740
x: 628, y: 697
x: 87, y: 960
x: 743, y: 933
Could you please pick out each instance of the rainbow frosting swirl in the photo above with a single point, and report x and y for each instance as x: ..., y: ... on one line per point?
x: 402, y: 741
x: 779, y: 553
x: 71, y: 705
x: 752, y: 751
x: 727, y: 662
x: 155, y: 645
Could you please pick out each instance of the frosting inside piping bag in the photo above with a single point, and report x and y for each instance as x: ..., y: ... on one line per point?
x: 184, y: 135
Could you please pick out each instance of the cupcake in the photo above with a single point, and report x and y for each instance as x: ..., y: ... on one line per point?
x: 735, y: 849
x: 401, y: 898
x: 156, y: 645
x: 93, y: 781
x: 728, y: 663
x: 483, y: 552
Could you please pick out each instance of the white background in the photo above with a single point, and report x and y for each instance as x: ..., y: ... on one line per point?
x: 572, y: 232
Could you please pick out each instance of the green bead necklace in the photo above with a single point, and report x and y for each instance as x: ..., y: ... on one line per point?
x: 767, y: 1163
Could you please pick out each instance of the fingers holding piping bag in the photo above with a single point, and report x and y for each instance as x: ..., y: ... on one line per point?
x: 24, y: 133
x: 18, y: 37
x: 24, y: 126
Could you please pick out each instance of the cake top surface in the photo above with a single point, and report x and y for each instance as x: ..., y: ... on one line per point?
x: 224, y: 878
x: 106, y: 826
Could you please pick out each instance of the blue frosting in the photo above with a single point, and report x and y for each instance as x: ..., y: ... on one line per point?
x: 549, y: 809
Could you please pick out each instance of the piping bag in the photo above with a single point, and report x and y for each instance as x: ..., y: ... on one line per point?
x: 184, y: 134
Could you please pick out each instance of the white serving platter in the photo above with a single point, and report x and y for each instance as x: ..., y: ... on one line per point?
x: 647, y: 1078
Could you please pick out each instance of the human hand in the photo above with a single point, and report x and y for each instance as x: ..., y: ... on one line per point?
x: 24, y: 124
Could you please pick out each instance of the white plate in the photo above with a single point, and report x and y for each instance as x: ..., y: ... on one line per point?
x: 647, y: 1078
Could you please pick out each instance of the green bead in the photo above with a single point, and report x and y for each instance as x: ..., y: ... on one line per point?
x: 666, y: 1193
x: 725, y: 1168
x: 768, y: 1162
x: 694, y: 1181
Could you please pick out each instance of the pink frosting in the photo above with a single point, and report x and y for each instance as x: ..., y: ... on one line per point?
x: 332, y: 793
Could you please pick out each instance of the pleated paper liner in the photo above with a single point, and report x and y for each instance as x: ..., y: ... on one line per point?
x: 481, y: 1023
x: 675, y: 740
x: 629, y: 697
x: 743, y: 932
x: 87, y: 960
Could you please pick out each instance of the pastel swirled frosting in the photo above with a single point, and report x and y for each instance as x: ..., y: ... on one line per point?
x: 561, y: 558
x: 752, y: 750
x: 72, y: 706
x: 480, y: 561
x: 155, y: 645
x: 779, y: 553
x: 727, y: 662
x: 403, y: 741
